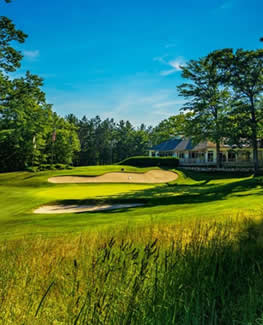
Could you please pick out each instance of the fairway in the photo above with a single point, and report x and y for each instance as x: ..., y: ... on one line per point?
x: 193, y: 196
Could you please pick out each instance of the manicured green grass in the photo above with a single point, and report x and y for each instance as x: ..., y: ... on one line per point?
x: 193, y: 196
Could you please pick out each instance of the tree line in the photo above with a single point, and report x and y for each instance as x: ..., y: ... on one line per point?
x: 32, y: 134
x: 106, y: 141
x: 223, y: 96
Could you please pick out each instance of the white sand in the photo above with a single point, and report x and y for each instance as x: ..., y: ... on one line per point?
x: 54, y: 209
x: 151, y: 177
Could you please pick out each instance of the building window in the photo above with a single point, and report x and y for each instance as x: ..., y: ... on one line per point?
x: 193, y: 154
x: 166, y: 154
x: 231, y: 156
x: 181, y: 155
x: 210, y: 156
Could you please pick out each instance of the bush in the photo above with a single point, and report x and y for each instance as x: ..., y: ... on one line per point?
x: 44, y: 167
x: 144, y: 161
x: 60, y: 166
x: 32, y: 169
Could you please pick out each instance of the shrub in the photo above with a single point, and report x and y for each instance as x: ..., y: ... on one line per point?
x: 44, y: 167
x: 32, y: 169
x: 60, y: 166
x: 144, y: 161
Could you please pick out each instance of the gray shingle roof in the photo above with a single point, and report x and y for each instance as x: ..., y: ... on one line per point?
x: 169, y: 145
x: 185, y: 144
x: 188, y: 144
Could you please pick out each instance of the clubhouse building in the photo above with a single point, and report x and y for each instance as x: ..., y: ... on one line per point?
x: 203, y: 154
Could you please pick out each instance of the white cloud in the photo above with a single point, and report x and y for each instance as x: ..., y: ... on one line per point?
x: 137, y: 98
x: 176, y: 65
x: 31, y: 55
x: 167, y: 72
x: 137, y: 105
x: 141, y: 108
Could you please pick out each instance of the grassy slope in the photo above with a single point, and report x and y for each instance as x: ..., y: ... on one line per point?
x: 194, y: 274
x: 193, y: 195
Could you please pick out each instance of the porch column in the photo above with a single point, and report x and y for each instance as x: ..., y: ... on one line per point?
x: 206, y: 156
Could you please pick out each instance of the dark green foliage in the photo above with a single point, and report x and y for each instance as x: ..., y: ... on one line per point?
x: 44, y: 167
x: 207, y: 100
x: 105, y: 142
x: 243, y: 72
x: 225, y: 98
x: 175, y: 125
x: 142, y: 161
x: 27, y: 124
x: 9, y: 57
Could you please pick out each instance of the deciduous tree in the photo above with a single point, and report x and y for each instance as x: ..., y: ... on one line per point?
x: 243, y: 72
x: 206, y: 99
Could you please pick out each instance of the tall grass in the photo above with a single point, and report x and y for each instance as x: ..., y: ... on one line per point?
x: 194, y: 274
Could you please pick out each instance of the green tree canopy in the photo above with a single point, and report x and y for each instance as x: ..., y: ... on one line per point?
x: 175, y: 125
x: 243, y: 72
x: 206, y: 99
x: 9, y: 57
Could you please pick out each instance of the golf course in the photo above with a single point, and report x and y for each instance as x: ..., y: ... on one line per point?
x: 178, y: 247
x: 131, y: 162
x: 190, y: 197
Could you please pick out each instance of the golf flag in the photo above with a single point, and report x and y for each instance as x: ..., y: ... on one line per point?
x: 54, y: 136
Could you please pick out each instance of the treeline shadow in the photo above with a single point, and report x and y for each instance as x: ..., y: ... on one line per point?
x: 192, y: 193
x: 208, y: 176
x: 177, y: 194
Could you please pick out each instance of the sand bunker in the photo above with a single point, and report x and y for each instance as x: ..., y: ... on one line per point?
x: 59, y: 208
x: 151, y: 177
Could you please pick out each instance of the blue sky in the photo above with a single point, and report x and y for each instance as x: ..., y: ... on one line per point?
x: 122, y: 59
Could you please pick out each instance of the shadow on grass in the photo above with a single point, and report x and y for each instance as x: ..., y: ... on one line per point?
x: 200, y: 193
x: 178, y: 194
x: 208, y: 176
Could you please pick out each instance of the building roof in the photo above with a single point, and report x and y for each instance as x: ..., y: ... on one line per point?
x: 185, y: 144
x: 169, y: 145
